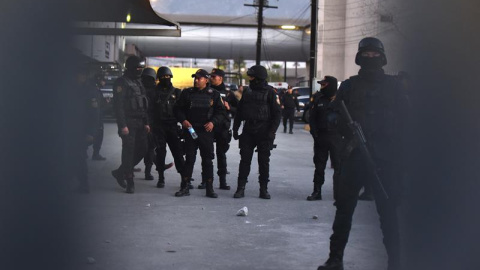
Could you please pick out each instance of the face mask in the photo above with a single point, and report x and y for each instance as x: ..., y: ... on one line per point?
x: 257, y: 84
x: 328, y: 91
x: 165, y: 82
x: 148, y: 82
x: 371, y: 62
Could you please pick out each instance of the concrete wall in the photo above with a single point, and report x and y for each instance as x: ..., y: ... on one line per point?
x: 346, y: 22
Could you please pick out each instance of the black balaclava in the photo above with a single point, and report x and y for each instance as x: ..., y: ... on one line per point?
x: 148, y: 82
x: 165, y: 82
x: 330, y: 89
x: 132, y: 64
x: 257, y: 84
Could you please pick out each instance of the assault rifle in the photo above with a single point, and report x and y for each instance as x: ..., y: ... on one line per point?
x: 359, y: 139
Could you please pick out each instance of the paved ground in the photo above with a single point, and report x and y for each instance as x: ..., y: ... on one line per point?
x: 152, y: 229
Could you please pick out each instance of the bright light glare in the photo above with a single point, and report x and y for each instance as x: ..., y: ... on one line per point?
x: 289, y: 27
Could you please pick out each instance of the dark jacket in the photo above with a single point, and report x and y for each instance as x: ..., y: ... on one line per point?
x: 290, y: 101
x: 196, y: 111
x: 130, y: 101
x: 379, y: 104
x: 323, y: 117
x: 161, y: 106
x: 252, y: 125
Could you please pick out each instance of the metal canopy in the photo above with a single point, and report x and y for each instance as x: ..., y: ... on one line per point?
x: 139, y: 11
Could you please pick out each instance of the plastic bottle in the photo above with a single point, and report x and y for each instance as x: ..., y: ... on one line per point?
x: 193, y: 133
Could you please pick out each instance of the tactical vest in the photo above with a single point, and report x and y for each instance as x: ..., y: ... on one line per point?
x: 325, y: 116
x: 201, y: 106
x: 136, y: 102
x: 255, y: 105
x: 374, y: 106
x: 163, y: 107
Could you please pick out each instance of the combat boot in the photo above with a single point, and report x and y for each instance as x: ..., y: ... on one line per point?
x: 209, y: 189
x: 264, y: 191
x: 317, y: 192
x: 202, y: 185
x: 148, y: 174
x: 184, y: 188
x: 130, y: 185
x: 333, y: 263
x: 161, y: 183
x: 120, y: 177
x: 223, y: 183
x: 240, y: 193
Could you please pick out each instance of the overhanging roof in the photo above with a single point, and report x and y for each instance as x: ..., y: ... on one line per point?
x: 140, y: 11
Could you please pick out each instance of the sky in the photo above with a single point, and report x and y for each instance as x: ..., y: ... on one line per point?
x: 234, y: 8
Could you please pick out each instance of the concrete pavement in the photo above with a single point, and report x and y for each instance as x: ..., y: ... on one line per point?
x: 152, y: 229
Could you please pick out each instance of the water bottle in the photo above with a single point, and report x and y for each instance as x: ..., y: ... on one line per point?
x: 193, y: 133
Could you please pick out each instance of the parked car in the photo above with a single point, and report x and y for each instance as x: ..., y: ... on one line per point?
x: 303, y: 96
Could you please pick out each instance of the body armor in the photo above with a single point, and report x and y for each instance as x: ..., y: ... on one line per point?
x: 201, y: 103
x: 136, y: 103
x: 256, y: 105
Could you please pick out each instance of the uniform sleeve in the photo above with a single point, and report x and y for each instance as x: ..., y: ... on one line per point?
x: 275, y: 113
x: 219, y: 111
x: 232, y: 101
x: 180, y: 107
x: 296, y: 103
x: 238, y: 116
x: 342, y: 95
x: 313, y: 114
x: 118, y: 102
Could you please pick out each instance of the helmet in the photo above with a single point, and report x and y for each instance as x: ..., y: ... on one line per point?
x: 257, y: 71
x: 162, y: 71
x: 370, y: 44
x: 133, y: 62
x: 149, y: 72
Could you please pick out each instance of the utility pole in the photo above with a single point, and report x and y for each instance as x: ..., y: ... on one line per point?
x: 313, y: 44
x: 261, y: 5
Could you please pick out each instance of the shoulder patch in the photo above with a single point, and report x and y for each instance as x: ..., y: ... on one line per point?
x: 210, y: 91
x: 118, y: 89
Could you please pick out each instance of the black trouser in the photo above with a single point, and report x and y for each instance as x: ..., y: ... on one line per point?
x: 204, y: 142
x: 134, y: 146
x: 222, y: 141
x: 98, y: 140
x: 352, y: 177
x: 248, y: 142
x: 324, y: 144
x: 168, y: 134
x: 150, y: 158
x: 288, y: 114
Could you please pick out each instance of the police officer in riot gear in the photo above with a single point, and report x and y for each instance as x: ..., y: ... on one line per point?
x: 378, y: 103
x: 222, y: 133
x: 130, y: 104
x: 164, y: 124
x: 200, y: 108
x: 289, y: 102
x: 149, y: 80
x: 260, y: 111
x: 326, y: 138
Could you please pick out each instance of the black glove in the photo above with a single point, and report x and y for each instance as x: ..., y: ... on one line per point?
x: 235, y: 135
x: 271, y: 136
